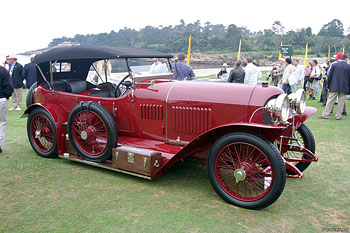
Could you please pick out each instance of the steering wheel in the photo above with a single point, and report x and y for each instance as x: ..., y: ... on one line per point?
x: 126, y: 84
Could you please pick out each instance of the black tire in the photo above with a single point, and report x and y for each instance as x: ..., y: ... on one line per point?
x: 44, y: 144
x: 269, y: 152
x: 82, y: 145
x: 309, y: 143
x: 30, y: 95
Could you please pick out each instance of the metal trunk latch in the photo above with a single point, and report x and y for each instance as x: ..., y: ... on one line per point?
x: 131, y: 157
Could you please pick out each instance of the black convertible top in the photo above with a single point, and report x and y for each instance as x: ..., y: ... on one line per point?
x: 82, y: 57
x: 96, y: 53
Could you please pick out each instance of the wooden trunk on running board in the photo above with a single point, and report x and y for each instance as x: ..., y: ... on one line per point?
x: 137, y: 160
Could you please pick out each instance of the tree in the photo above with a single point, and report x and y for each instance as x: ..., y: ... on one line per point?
x: 335, y: 28
x: 277, y: 28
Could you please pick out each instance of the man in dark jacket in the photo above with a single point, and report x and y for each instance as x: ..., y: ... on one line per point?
x: 339, y: 86
x: 16, y: 70
x: 6, y: 91
x: 29, y: 73
x: 237, y: 74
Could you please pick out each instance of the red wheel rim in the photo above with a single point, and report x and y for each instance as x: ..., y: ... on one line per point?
x: 244, y: 171
x: 42, y: 133
x: 90, y: 133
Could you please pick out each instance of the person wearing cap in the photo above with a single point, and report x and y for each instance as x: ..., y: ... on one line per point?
x: 337, y: 60
x: 280, y: 71
x: 16, y: 70
x: 338, y: 86
x: 223, y: 71
x: 6, y: 91
x: 29, y: 72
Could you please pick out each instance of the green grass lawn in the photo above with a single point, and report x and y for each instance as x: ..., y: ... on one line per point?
x: 56, y: 195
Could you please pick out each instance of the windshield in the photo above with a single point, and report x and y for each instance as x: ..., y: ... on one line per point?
x: 114, y: 70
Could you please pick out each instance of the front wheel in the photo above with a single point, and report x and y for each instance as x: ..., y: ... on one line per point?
x: 41, y: 131
x: 307, y: 140
x: 246, y: 170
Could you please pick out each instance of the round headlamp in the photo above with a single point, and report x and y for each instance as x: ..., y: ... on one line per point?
x: 298, y: 101
x: 280, y: 106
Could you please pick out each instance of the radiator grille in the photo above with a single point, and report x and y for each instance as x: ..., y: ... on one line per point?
x: 151, y: 112
x: 191, y: 120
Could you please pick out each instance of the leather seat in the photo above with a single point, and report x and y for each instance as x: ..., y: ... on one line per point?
x: 58, y: 85
x: 77, y: 86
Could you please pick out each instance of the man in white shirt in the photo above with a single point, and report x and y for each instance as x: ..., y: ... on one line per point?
x: 158, y: 67
x: 252, y: 73
x: 299, y: 72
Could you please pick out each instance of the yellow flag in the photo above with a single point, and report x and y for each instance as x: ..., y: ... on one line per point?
x: 280, y: 54
x: 189, y: 50
x: 343, y: 49
x: 239, y: 50
x: 329, y: 52
x: 306, y: 53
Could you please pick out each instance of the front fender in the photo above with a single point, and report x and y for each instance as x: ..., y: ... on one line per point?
x: 59, y: 115
x: 204, y: 141
x: 300, y: 118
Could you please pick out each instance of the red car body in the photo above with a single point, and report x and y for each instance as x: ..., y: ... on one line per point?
x: 178, y: 119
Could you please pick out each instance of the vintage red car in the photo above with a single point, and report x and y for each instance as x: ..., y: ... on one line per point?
x: 101, y: 106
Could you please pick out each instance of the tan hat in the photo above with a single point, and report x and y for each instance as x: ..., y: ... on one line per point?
x: 12, y: 57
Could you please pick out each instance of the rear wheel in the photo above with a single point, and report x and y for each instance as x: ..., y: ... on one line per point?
x: 246, y: 170
x: 92, y: 131
x: 41, y: 131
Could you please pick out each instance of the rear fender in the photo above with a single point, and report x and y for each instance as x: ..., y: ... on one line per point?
x: 59, y: 116
x: 203, y: 143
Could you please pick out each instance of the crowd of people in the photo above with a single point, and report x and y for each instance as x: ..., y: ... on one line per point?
x: 13, y: 78
x: 288, y: 75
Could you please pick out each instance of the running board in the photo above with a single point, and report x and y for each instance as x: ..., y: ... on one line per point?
x: 103, y: 165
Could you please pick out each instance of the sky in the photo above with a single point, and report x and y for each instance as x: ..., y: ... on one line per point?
x: 29, y: 25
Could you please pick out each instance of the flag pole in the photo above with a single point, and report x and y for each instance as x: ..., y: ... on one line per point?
x: 343, y: 49
x: 306, y: 53
x: 329, y: 52
x: 239, y: 50
x: 280, y: 54
x: 189, y: 50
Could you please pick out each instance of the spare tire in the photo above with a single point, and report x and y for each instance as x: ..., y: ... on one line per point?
x: 30, y: 95
x: 92, y: 131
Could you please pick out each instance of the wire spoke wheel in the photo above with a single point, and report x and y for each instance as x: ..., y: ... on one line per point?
x: 306, y: 140
x: 244, y: 171
x: 295, y: 154
x: 41, y: 131
x: 90, y: 133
